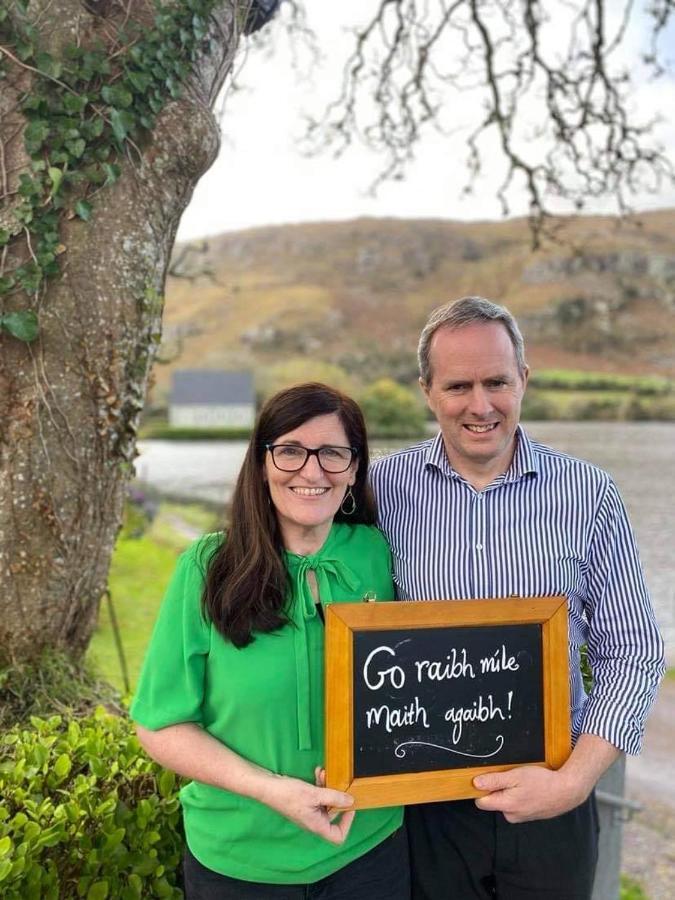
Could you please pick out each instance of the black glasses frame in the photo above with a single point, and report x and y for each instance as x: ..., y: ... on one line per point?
x: 315, y: 452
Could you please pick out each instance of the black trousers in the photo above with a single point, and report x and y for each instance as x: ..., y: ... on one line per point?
x: 381, y: 874
x: 459, y: 852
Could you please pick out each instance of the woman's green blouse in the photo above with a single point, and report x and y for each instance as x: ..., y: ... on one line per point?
x: 265, y: 702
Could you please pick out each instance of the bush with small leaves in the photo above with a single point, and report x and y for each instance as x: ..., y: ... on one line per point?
x: 84, y: 813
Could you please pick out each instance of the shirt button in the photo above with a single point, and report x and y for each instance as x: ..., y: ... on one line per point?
x: 479, y: 546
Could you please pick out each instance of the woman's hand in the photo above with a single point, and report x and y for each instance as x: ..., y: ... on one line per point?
x: 311, y: 807
x: 189, y: 750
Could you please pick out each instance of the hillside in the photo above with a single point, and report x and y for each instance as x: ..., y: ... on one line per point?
x: 599, y: 297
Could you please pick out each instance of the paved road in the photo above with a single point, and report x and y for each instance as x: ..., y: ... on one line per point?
x: 649, y: 838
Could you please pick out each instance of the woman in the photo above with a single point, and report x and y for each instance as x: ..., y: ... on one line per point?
x: 231, y: 693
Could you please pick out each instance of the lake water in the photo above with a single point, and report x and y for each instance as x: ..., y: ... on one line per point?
x: 640, y: 457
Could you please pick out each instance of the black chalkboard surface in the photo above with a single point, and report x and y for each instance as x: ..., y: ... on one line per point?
x: 422, y: 697
x: 447, y: 698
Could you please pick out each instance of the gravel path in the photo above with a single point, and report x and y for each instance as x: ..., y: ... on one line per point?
x: 649, y: 838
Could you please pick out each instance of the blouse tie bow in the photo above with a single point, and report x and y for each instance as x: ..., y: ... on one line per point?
x: 303, y: 608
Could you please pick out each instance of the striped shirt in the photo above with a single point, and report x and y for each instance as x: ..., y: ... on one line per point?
x: 549, y: 525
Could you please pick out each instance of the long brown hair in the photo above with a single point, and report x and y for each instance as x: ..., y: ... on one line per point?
x: 246, y: 581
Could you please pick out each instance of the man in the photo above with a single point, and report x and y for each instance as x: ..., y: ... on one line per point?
x: 483, y: 511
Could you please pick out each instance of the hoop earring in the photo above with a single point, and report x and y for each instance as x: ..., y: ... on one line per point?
x: 349, y: 499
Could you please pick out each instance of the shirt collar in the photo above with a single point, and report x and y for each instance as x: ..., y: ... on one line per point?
x: 523, y: 463
x: 524, y: 460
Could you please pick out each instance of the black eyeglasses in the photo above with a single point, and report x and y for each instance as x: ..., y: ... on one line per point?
x: 292, y: 457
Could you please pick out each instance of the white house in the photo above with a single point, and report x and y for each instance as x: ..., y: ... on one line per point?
x: 211, y: 398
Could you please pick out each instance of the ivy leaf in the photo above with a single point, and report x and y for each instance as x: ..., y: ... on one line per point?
x: 140, y: 80
x: 35, y: 135
x: 94, y: 127
x: 59, y: 156
x: 32, y: 102
x: 21, y: 325
x: 48, y: 65
x: 117, y: 95
x: 122, y: 122
x: 4, y: 237
x: 83, y: 209
x: 7, y: 282
x: 173, y: 86
x: 76, y: 148
x: 29, y: 277
x: 56, y: 176
x: 75, y: 103
x: 29, y: 187
x: 24, y: 50
x: 199, y: 27
x: 112, y: 173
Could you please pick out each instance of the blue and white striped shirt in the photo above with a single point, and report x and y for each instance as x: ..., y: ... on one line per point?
x: 549, y: 525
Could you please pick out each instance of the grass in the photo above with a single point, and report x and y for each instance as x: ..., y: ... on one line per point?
x: 631, y: 890
x: 139, y: 573
x: 55, y: 684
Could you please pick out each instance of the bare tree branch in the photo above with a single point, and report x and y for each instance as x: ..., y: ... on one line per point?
x: 552, y: 83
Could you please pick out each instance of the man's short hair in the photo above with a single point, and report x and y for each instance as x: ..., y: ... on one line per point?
x: 466, y: 311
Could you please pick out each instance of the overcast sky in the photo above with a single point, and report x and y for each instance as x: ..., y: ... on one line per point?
x: 261, y: 178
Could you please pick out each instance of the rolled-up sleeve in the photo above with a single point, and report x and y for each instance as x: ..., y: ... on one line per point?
x: 625, y: 648
x: 171, y: 684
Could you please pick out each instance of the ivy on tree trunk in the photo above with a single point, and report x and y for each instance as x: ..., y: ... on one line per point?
x: 106, y: 126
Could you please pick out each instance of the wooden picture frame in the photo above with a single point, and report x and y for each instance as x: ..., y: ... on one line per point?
x: 345, y: 621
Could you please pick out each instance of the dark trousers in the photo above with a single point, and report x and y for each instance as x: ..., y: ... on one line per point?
x: 381, y: 874
x: 459, y: 852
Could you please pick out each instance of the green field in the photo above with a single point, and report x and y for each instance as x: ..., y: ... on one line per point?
x: 140, y: 571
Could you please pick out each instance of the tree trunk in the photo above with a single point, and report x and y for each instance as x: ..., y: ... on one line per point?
x: 70, y: 400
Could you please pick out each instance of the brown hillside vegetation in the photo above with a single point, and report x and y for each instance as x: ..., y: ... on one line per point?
x: 600, y: 297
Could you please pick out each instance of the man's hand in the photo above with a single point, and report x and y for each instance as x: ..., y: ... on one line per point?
x: 528, y: 792
x: 532, y: 792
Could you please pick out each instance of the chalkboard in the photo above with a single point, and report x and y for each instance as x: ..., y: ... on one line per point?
x: 446, y: 698
x: 421, y: 697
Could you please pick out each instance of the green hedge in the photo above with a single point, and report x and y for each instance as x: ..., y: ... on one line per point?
x: 573, y: 380
x: 591, y: 405
x: 166, y: 433
x: 84, y: 813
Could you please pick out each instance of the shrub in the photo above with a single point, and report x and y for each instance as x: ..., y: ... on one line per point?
x: 601, y: 408
x: 391, y: 410
x: 536, y: 407
x: 84, y: 813
x: 298, y: 369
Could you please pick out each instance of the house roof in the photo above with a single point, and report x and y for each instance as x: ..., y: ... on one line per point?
x: 211, y: 386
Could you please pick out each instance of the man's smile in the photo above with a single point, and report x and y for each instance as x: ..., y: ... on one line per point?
x: 481, y: 429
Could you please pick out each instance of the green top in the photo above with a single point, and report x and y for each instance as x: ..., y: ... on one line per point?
x: 265, y: 702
